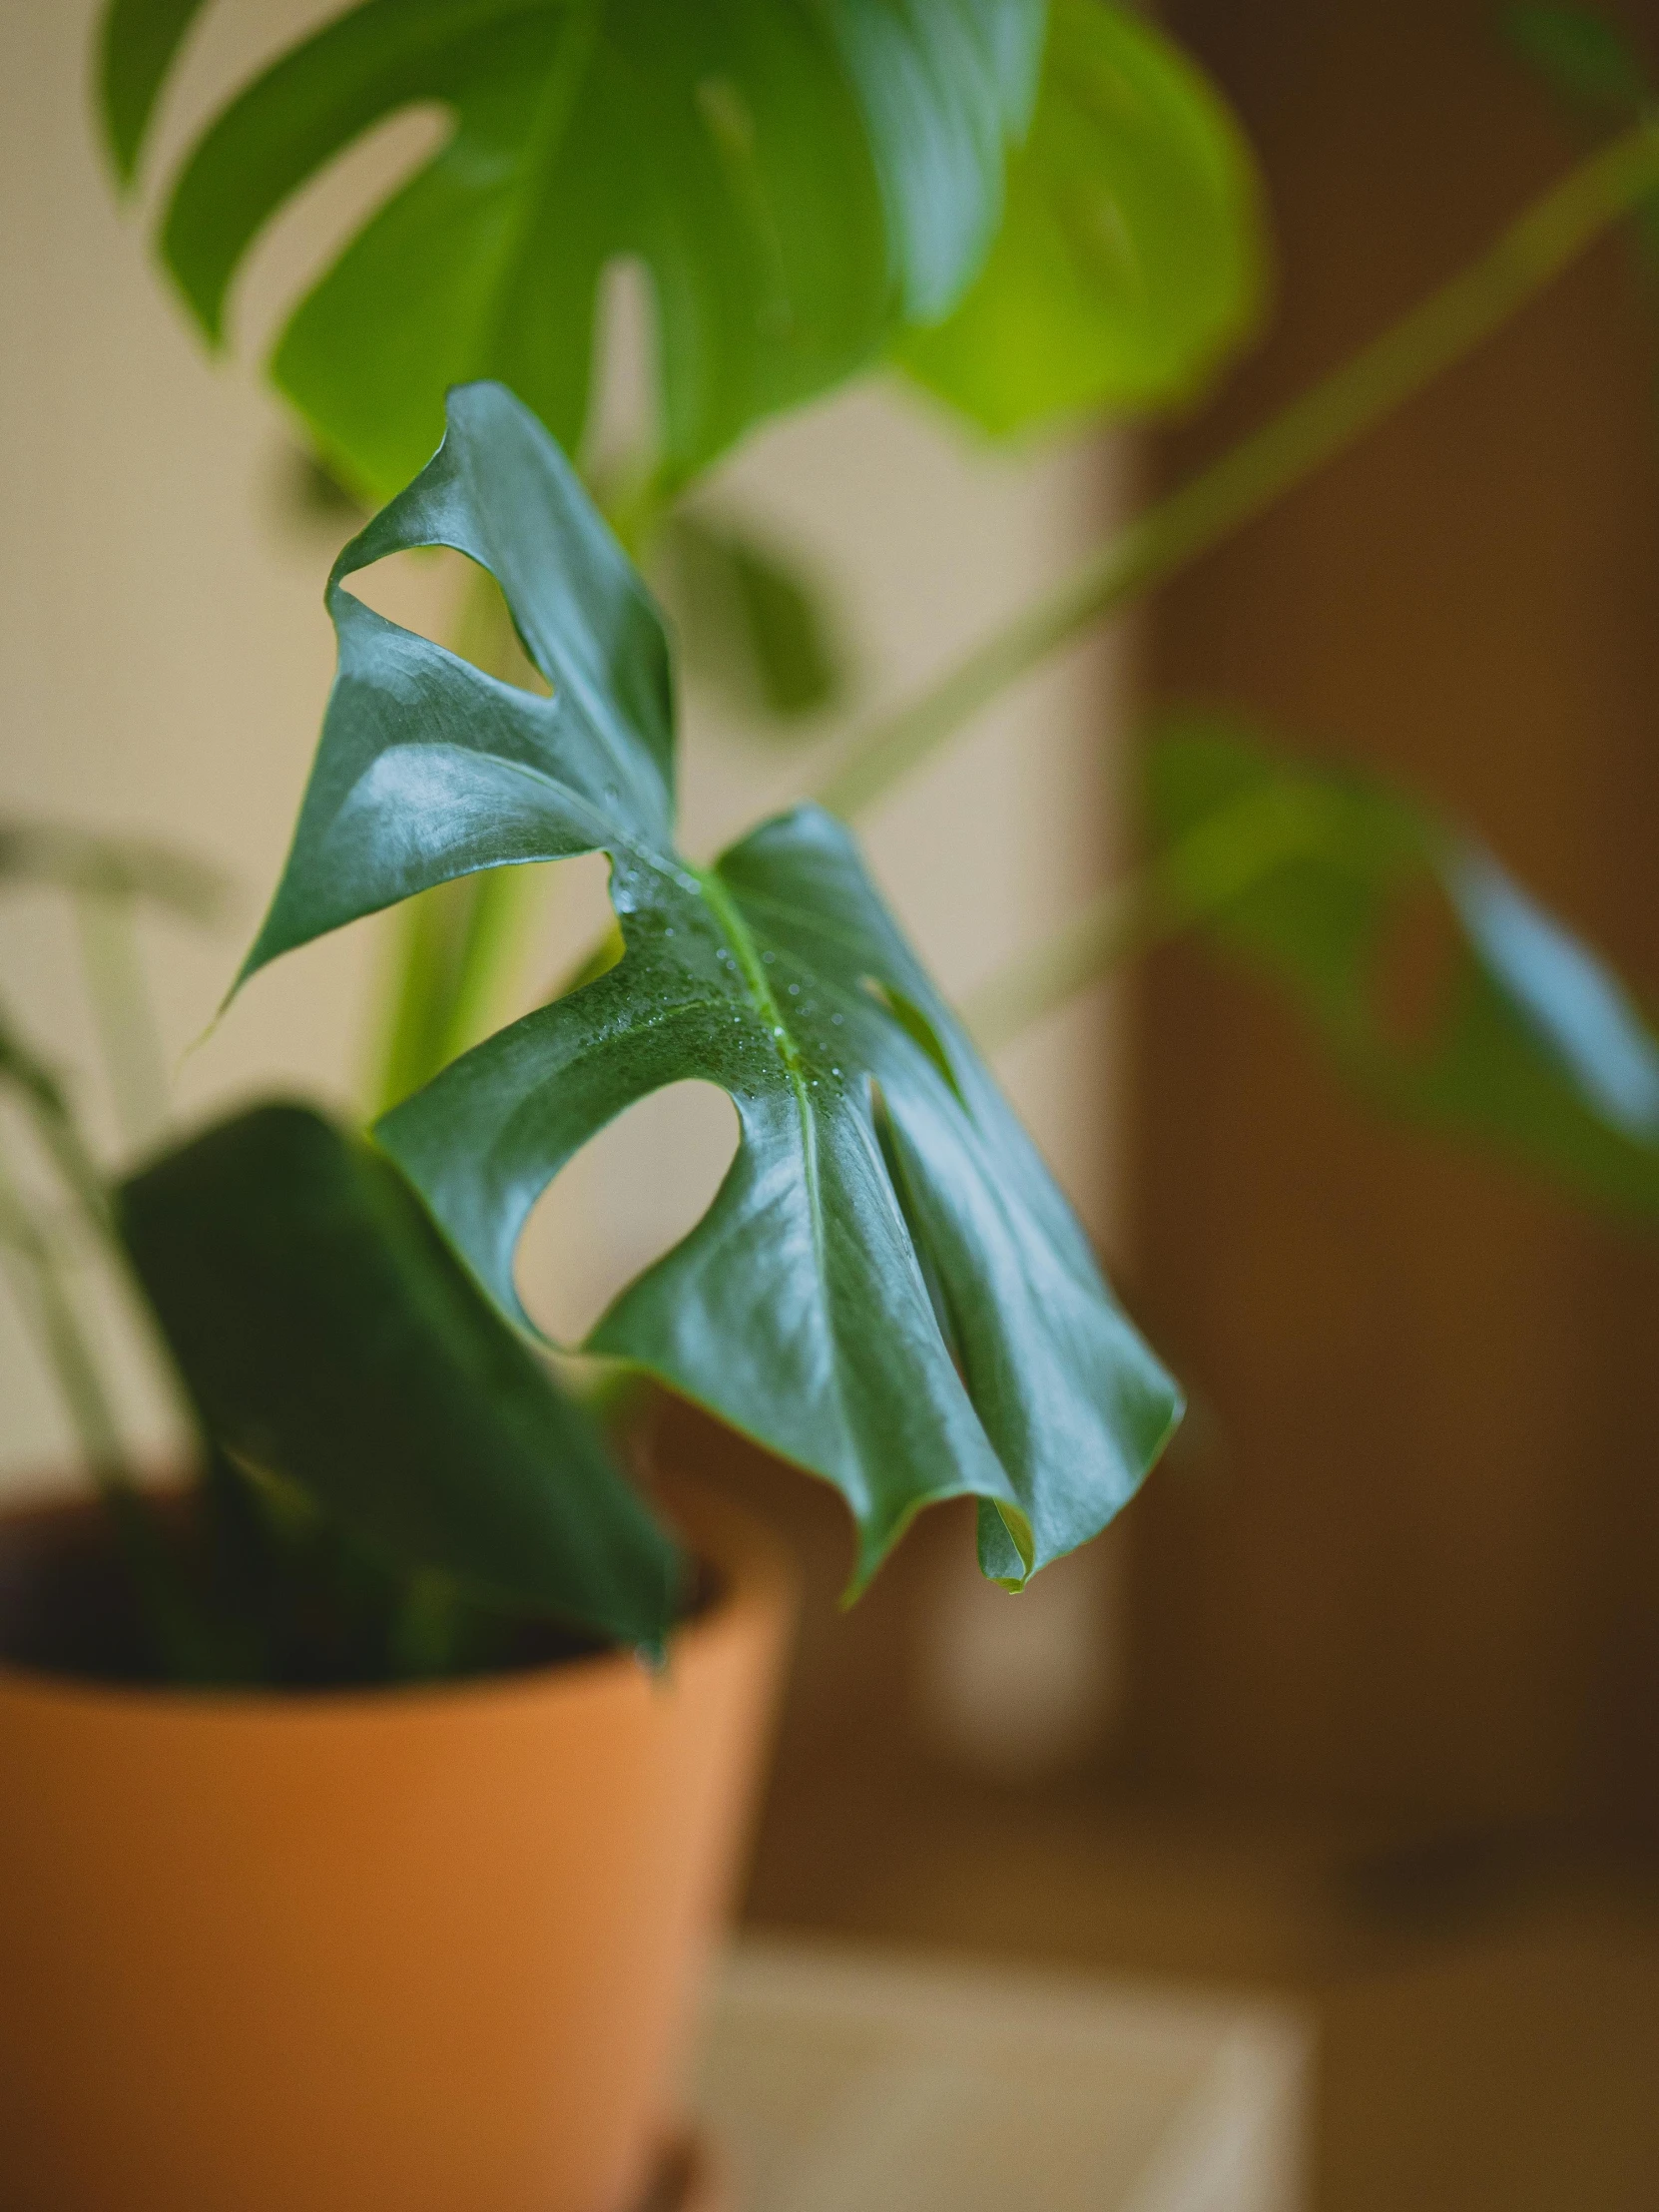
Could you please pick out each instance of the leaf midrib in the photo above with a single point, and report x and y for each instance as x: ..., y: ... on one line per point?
x: 753, y: 969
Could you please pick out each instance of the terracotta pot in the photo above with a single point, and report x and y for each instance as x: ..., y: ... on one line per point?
x: 429, y: 1949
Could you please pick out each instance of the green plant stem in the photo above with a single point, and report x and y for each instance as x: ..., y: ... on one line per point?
x: 42, y: 1095
x: 124, y: 1013
x: 1549, y: 236
x: 183, y: 1636
x: 43, y: 1294
x: 457, y: 943
x: 1200, y: 873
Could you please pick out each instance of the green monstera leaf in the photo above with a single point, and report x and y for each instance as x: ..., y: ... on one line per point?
x: 797, y: 175
x: 888, y: 1288
x: 1525, y: 1040
x: 806, y: 182
x: 1131, y: 260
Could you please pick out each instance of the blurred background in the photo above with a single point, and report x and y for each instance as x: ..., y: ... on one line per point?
x: 1359, y: 1703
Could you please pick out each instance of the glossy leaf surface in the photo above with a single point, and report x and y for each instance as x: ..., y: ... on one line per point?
x: 1524, y: 1039
x: 797, y: 175
x: 888, y: 1288
x: 1131, y: 259
x: 329, y: 1336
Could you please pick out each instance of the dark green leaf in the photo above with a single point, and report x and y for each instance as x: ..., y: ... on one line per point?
x: 139, y: 42
x: 1599, y: 78
x: 794, y: 175
x: 1584, y: 59
x: 799, y: 1309
x: 750, y: 620
x: 1530, y: 1044
x: 328, y: 1337
x: 112, y: 867
x: 1131, y: 259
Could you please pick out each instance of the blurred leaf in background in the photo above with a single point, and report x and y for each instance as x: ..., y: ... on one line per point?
x: 752, y: 621
x: 796, y: 180
x: 1132, y: 258
x: 107, y: 879
x: 1446, y: 991
x: 802, y: 183
x: 80, y: 860
x: 1585, y: 59
x: 309, y: 500
x: 1599, y: 78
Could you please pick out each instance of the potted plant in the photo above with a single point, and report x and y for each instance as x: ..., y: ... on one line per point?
x: 889, y: 1289
x: 358, y: 1854
x: 362, y: 1747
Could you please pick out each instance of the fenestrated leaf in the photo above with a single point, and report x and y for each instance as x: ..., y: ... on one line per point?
x: 1131, y: 259
x: 795, y: 175
x: 799, y: 1309
x: 1531, y: 1044
x: 328, y: 1337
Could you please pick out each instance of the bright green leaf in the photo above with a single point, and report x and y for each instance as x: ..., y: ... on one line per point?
x: 1530, y: 1042
x: 141, y: 40
x: 800, y: 1308
x: 794, y: 175
x: 1131, y: 259
x: 750, y: 621
x: 330, y: 1338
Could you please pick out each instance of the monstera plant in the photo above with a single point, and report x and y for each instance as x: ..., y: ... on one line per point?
x: 887, y: 1290
x: 440, y: 1947
x: 1035, y: 211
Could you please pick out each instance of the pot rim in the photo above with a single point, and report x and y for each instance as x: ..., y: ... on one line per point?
x: 756, y: 1577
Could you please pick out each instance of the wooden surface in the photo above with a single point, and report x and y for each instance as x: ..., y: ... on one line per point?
x: 1485, y: 2003
x: 1487, y: 2034
x: 1409, y: 1560
x: 841, y: 2077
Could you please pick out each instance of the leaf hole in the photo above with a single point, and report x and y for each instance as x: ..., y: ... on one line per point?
x: 451, y: 601
x: 631, y: 1193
